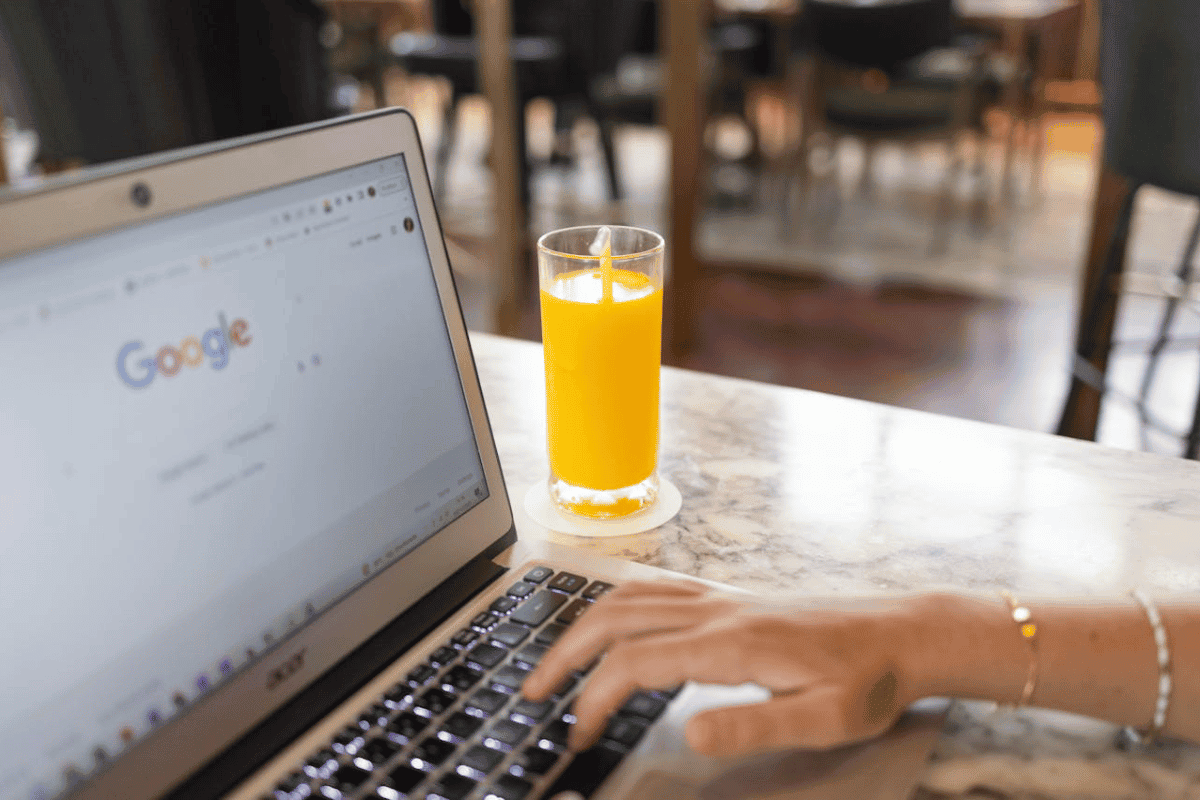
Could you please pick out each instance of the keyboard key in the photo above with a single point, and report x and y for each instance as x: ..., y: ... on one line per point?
x: 532, y: 712
x: 320, y: 764
x: 421, y: 675
x: 443, y: 655
x: 644, y: 705
x: 549, y: 634
x: 597, y: 589
x: 564, y: 688
x: 521, y: 589
x: 486, y: 655
x: 348, y: 778
x: 536, y: 761
x: 348, y: 740
x: 625, y: 732
x: 291, y: 783
x: 431, y: 752
x: 508, y: 732
x: 554, y: 736
x: 379, y: 750
x: 452, y: 786
x: 461, y: 725
x: 404, y: 778
x: 573, y: 612
x: 502, y: 605
x: 509, y: 635
x: 586, y: 772
x: 435, y: 701
x: 510, y: 787
x: 407, y: 725
x: 567, y: 582
x: 537, y: 609
x: 482, y: 759
x: 375, y: 715
x: 464, y: 637
x: 487, y: 701
x: 538, y: 574
x: 531, y: 654
x: 461, y: 677
x: 509, y: 677
x: 484, y: 620
x: 398, y: 695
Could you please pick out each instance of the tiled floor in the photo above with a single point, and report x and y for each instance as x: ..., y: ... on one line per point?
x: 855, y: 303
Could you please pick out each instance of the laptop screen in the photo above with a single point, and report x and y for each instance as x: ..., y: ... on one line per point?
x: 212, y: 427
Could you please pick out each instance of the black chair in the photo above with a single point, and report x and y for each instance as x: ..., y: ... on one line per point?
x: 890, y: 69
x: 1150, y: 76
x: 545, y: 63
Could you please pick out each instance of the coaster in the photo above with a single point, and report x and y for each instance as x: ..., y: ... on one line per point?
x: 542, y: 510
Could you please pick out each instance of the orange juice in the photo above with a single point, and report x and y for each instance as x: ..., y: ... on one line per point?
x: 602, y: 364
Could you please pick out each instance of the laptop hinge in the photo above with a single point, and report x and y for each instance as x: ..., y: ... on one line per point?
x: 343, y: 679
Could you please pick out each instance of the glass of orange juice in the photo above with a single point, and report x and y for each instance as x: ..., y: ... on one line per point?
x: 601, y: 295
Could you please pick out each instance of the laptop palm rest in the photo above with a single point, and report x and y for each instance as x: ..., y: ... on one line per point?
x: 884, y: 768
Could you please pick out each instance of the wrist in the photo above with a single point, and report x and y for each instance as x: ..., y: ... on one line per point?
x: 961, y: 646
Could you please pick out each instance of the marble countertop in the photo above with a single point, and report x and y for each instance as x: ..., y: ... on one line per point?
x: 790, y: 491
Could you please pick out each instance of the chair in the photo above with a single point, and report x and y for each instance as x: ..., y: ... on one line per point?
x: 1150, y: 74
x: 545, y: 65
x: 890, y: 69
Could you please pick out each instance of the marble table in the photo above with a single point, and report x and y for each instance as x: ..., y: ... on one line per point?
x: 790, y: 491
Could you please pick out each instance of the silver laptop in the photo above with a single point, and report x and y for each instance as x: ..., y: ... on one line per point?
x: 254, y: 536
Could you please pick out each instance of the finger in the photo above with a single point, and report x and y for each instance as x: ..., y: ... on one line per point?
x: 610, y: 621
x: 811, y: 719
x: 665, y: 586
x: 657, y: 661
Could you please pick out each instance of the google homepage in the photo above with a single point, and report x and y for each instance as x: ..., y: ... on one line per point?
x: 211, y: 427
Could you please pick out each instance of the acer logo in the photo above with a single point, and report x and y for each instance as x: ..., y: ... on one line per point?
x: 287, y: 669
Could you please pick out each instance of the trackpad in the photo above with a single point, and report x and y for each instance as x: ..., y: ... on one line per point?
x: 886, y: 768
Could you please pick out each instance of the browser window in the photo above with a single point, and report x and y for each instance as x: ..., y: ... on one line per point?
x: 211, y: 427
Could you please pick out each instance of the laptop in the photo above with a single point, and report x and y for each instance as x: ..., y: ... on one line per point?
x: 255, y: 540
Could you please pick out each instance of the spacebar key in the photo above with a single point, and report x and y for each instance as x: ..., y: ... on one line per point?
x: 537, y: 609
x: 586, y: 772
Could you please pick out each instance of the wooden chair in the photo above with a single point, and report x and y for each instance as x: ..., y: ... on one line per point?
x: 1150, y: 74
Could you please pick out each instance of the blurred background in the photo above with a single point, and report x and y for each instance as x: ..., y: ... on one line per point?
x: 914, y: 202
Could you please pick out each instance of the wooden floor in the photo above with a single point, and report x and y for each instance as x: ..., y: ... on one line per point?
x: 854, y: 303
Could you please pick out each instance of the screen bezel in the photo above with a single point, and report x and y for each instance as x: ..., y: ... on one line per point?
x: 197, y: 177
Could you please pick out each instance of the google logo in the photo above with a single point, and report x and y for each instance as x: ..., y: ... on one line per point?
x: 215, y: 343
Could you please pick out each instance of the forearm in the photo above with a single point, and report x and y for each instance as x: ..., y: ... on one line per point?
x: 1097, y: 659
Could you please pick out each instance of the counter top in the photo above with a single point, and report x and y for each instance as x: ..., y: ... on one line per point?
x: 791, y: 491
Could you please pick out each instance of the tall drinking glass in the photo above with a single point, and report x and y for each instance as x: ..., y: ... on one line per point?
x: 601, y: 295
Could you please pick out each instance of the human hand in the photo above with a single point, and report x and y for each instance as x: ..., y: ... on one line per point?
x: 835, y: 669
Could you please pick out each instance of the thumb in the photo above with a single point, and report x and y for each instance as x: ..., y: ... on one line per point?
x: 567, y: 796
x: 811, y: 718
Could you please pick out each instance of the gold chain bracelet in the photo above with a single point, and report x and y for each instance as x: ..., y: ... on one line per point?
x: 1028, y: 629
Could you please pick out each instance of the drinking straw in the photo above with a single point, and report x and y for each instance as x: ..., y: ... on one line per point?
x: 606, y: 267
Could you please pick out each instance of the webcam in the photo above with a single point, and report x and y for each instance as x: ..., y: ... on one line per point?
x: 140, y: 194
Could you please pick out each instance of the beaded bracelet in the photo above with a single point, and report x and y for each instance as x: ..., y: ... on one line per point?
x: 1164, y: 663
x: 1028, y: 628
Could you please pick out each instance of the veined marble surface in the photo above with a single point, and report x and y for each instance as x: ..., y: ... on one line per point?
x: 789, y: 491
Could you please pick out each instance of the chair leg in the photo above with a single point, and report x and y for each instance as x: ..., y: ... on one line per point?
x: 1098, y: 312
x: 445, y: 144
x: 610, y: 152
x: 1184, y: 273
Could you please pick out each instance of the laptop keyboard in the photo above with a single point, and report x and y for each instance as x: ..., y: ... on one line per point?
x: 457, y: 727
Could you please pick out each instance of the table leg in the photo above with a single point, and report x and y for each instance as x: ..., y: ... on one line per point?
x: 682, y: 26
x: 496, y: 76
